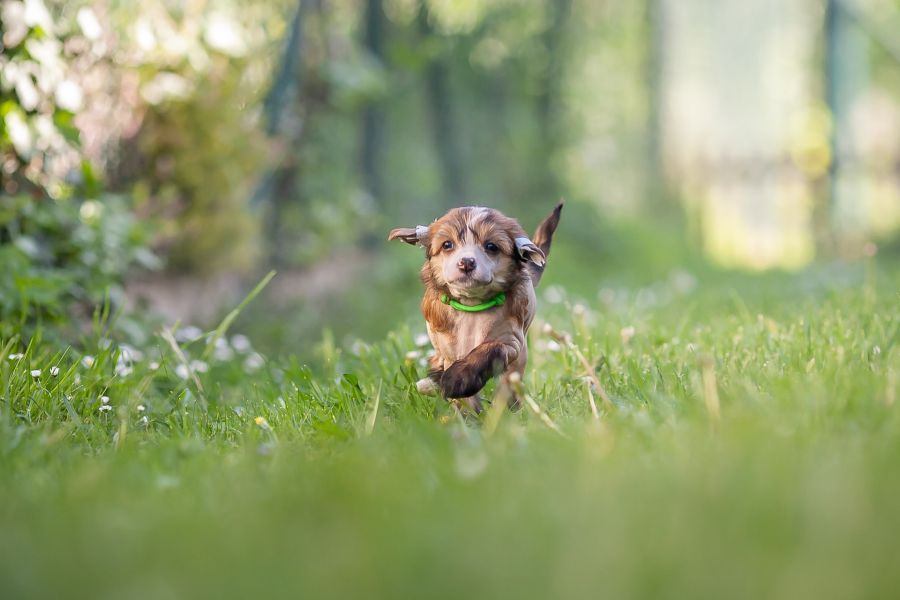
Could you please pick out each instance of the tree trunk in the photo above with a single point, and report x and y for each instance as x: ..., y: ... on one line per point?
x: 445, y: 127
x: 373, y: 115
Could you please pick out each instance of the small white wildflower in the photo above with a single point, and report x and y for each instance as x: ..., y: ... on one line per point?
x: 691, y: 347
x: 35, y: 373
x: 627, y: 333
x: 262, y: 423
x: 553, y: 346
x: 16, y: 356
x: 254, y: 362
x: 281, y: 403
x: 182, y: 371
x: 241, y: 343
x: 141, y: 408
x: 876, y: 350
x: 87, y: 361
x: 515, y: 377
x: 54, y: 371
x: 554, y: 294
x: 188, y: 333
x: 104, y: 399
x: 223, y: 351
x: 144, y: 420
x: 199, y: 366
x: 413, y: 355
x: 130, y: 353
x: 421, y: 340
x: 154, y: 366
x: 579, y: 310
x: 105, y: 408
x: 77, y: 380
x: 123, y: 369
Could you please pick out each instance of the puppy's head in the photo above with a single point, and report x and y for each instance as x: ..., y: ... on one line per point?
x: 473, y: 252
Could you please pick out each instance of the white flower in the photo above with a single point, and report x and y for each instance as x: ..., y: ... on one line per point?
x: 130, y: 353
x: 253, y: 362
x: 223, y: 351
x: 553, y: 346
x: 36, y: 373
x: 154, y: 366
x: 241, y: 343
x: 413, y: 355
x: 199, y: 366
x: 89, y: 24
x: 144, y: 420
x: 141, y: 408
x: 87, y: 361
x: 182, y: 371
x: 104, y: 399
x: 188, y: 333
x: 54, y: 371
x: 16, y: 356
x: 69, y: 96
x: 123, y: 368
x: 225, y: 35
x: 422, y: 339
x: 554, y: 294
x: 627, y: 333
x: 105, y: 408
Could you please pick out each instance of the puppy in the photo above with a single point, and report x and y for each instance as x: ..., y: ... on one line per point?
x: 480, y: 272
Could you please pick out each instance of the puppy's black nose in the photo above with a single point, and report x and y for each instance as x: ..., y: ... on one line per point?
x: 466, y: 264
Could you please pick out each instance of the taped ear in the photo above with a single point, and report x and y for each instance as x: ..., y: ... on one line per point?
x: 528, y: 251
x: 413, y: 236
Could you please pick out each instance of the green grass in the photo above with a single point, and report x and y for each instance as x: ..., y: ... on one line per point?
x: 344, y: 482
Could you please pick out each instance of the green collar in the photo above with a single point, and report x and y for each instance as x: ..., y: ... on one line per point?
x: 497, y: 300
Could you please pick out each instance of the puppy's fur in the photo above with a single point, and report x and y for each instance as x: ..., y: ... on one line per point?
x: 471, y: 255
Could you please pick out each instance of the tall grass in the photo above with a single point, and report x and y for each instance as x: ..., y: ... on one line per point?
x: 737, y: 437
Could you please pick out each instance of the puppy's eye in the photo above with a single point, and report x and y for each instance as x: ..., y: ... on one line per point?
x: 448, y: 245
x: 491, y: 247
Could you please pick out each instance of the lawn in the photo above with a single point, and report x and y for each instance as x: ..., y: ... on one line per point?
x: 746, y: 444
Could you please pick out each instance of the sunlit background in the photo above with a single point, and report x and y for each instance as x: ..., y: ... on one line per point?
x: 186, y: 148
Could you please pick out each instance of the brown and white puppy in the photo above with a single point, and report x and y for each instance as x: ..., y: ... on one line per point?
x: 480, y: 272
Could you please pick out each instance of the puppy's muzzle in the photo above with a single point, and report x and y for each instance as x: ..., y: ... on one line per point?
x: 466, y: 264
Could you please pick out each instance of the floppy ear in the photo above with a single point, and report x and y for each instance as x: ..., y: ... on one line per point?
x: 528, y: 251
x: 411, y: 235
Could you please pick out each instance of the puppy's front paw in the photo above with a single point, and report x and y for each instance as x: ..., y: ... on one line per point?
x: 461, y: 380
x: 427, y: 386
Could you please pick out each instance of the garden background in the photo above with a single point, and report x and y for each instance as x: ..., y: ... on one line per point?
x: 712, y: 389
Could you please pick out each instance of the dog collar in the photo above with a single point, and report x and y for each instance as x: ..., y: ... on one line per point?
x: 497, y: 300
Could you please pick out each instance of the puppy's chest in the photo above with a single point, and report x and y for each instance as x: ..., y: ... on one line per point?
x: 468, y: 332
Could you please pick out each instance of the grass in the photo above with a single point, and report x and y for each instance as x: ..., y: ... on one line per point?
x: 751, y: 448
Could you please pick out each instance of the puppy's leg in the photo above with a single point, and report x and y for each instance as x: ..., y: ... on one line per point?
x: 430, y: 385
x: 509, y: 391
x: 515, y: 371
x: 468, y: 375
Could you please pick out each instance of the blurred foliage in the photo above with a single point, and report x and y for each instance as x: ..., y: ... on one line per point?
x: 193, y: 159
x: 64, y: 258
x: 65, y: 246
x: 39, y: 63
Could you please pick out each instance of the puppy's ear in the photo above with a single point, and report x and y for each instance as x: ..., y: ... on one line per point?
x: 414, y: 236
x: 529, y: 252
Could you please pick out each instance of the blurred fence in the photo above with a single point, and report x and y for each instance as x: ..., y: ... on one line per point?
x: 781, y: 125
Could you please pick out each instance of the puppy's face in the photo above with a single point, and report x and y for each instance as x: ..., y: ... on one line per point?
x: 474, y: 252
